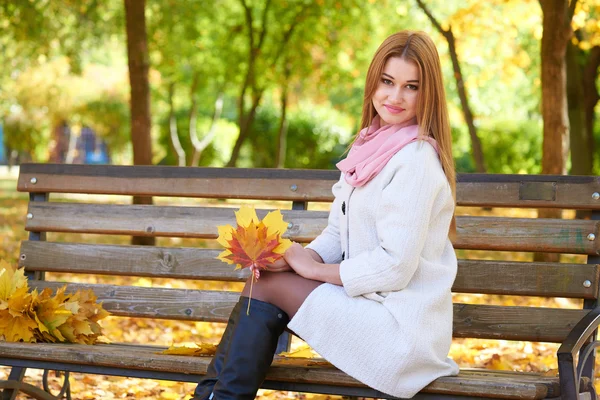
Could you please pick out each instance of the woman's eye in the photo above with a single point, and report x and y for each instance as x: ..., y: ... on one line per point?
x: 386, y: 81
x: 412, y: 87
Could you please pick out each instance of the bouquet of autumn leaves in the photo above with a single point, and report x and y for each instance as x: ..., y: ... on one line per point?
x: 254, y: 243
x: 40, y: 317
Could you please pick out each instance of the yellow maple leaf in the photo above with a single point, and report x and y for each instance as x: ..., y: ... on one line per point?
x: 16, y: 329
x: 301, y: 352
x: 10, y: 280
x: 254, y: 243
x: 202, y: 349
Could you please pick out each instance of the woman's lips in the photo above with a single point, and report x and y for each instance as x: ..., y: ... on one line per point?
x: 393, y: 110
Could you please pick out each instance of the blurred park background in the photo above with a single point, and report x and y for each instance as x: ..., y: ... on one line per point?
x: 279, y: 83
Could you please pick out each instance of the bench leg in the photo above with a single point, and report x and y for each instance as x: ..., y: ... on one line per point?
x: 16, y: 375
x: 14, y: 384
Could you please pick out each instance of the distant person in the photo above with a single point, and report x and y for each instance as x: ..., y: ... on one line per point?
x: 372, y: 293
x: 59, y: 147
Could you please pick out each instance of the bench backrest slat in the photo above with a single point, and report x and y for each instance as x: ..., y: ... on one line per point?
x: 551, y: 191
x: 474, y: 276
x: 488, y: 233
x: 470, y: 320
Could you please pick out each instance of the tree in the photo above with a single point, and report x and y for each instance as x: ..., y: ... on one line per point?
x: 137, y: 55
x: 557, y: 33
x: 259, y: 57
x: 583, y: 60
x: 557, y: 15
x: 477, y: 150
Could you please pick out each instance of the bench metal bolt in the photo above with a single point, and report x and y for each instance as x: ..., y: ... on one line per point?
x: 587, y: 283
x: 33, y: 180
x: 290, y: 225
x: 29, y: 216
x: 294, y: 187
x: 595, y: 195
x: 23, y: 256
x: 591, y: 237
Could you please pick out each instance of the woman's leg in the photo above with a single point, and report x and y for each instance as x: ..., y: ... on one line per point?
x: 248, y: 352
x: 286, y: 290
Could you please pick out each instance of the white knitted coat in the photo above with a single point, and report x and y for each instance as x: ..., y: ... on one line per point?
x: 390, y: 324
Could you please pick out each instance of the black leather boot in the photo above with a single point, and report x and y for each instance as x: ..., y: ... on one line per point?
x: 205, y: 387
x: 251, y: 349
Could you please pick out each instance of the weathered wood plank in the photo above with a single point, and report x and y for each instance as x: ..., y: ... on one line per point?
x: 486, y: 190
x: 477, y: 321
x: 154, y: 302
x: 544, y: 191
x: 474, y: 276
x: 527, y: 279
x: 514, y: 323
x: 481, y: 233
x: 510, y: 385
x: 527, y: 234
x: 194, y: 222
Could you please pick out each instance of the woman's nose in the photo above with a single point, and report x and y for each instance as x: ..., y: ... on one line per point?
x: 396, y: 95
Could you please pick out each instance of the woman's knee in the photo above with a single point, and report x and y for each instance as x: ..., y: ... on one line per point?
x: 268, y: 284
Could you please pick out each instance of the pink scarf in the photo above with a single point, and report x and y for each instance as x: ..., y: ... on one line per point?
x: 374, y: 147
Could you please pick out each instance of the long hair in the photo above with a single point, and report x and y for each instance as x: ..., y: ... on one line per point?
x: 432, y: 112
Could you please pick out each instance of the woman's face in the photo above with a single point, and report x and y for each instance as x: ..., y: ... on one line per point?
x: 395, y: 98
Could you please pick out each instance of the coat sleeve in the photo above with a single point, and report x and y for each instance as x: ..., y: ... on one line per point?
x: 328, y: 244
x: 402, y: 223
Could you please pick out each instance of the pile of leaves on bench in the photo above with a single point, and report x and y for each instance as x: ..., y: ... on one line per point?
x: 41, y: 317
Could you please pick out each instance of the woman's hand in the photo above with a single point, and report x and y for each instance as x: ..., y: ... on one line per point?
x: 300, y: 260
x: 279, y: 266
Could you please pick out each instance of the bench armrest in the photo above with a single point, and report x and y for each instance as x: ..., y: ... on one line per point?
x: 578, y: 339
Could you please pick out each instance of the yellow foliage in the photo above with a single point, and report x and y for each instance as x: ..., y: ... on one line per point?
x: 41, y: 317
x: 202, y: 349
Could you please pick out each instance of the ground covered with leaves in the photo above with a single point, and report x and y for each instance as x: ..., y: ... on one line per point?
x: 502, y: 355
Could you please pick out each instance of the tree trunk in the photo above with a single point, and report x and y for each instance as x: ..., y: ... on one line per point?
x: 282, y: 137
x: 200, y: 145
x: 245, y: 122
x: 557, y: 32
x: 137, y: 55
x: 173, y: 128
x: 283, y: 125
x: 591, y: 98
x: 581, y: 158
x: 476, y: 148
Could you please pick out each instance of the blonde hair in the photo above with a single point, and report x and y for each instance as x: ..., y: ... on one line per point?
x: 432, y: 112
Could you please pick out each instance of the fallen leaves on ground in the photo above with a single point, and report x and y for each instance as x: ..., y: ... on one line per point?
x: 201, y: 350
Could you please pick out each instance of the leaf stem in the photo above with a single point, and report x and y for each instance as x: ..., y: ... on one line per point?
x: 250, y: 298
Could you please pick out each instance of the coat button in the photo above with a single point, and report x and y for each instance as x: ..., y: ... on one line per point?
x: 344, y: 207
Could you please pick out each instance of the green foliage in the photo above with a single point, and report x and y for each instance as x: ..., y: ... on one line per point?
x: 316, y: 138
x: 510, y: 147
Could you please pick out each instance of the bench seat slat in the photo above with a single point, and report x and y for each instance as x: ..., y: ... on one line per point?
x: 485, y: 190
x: 511, y: 385
x: 474, y: 321
x: 485, y: 233
x: 474, y: 276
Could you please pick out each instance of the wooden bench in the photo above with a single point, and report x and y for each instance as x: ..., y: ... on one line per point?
x: 574, y: 328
